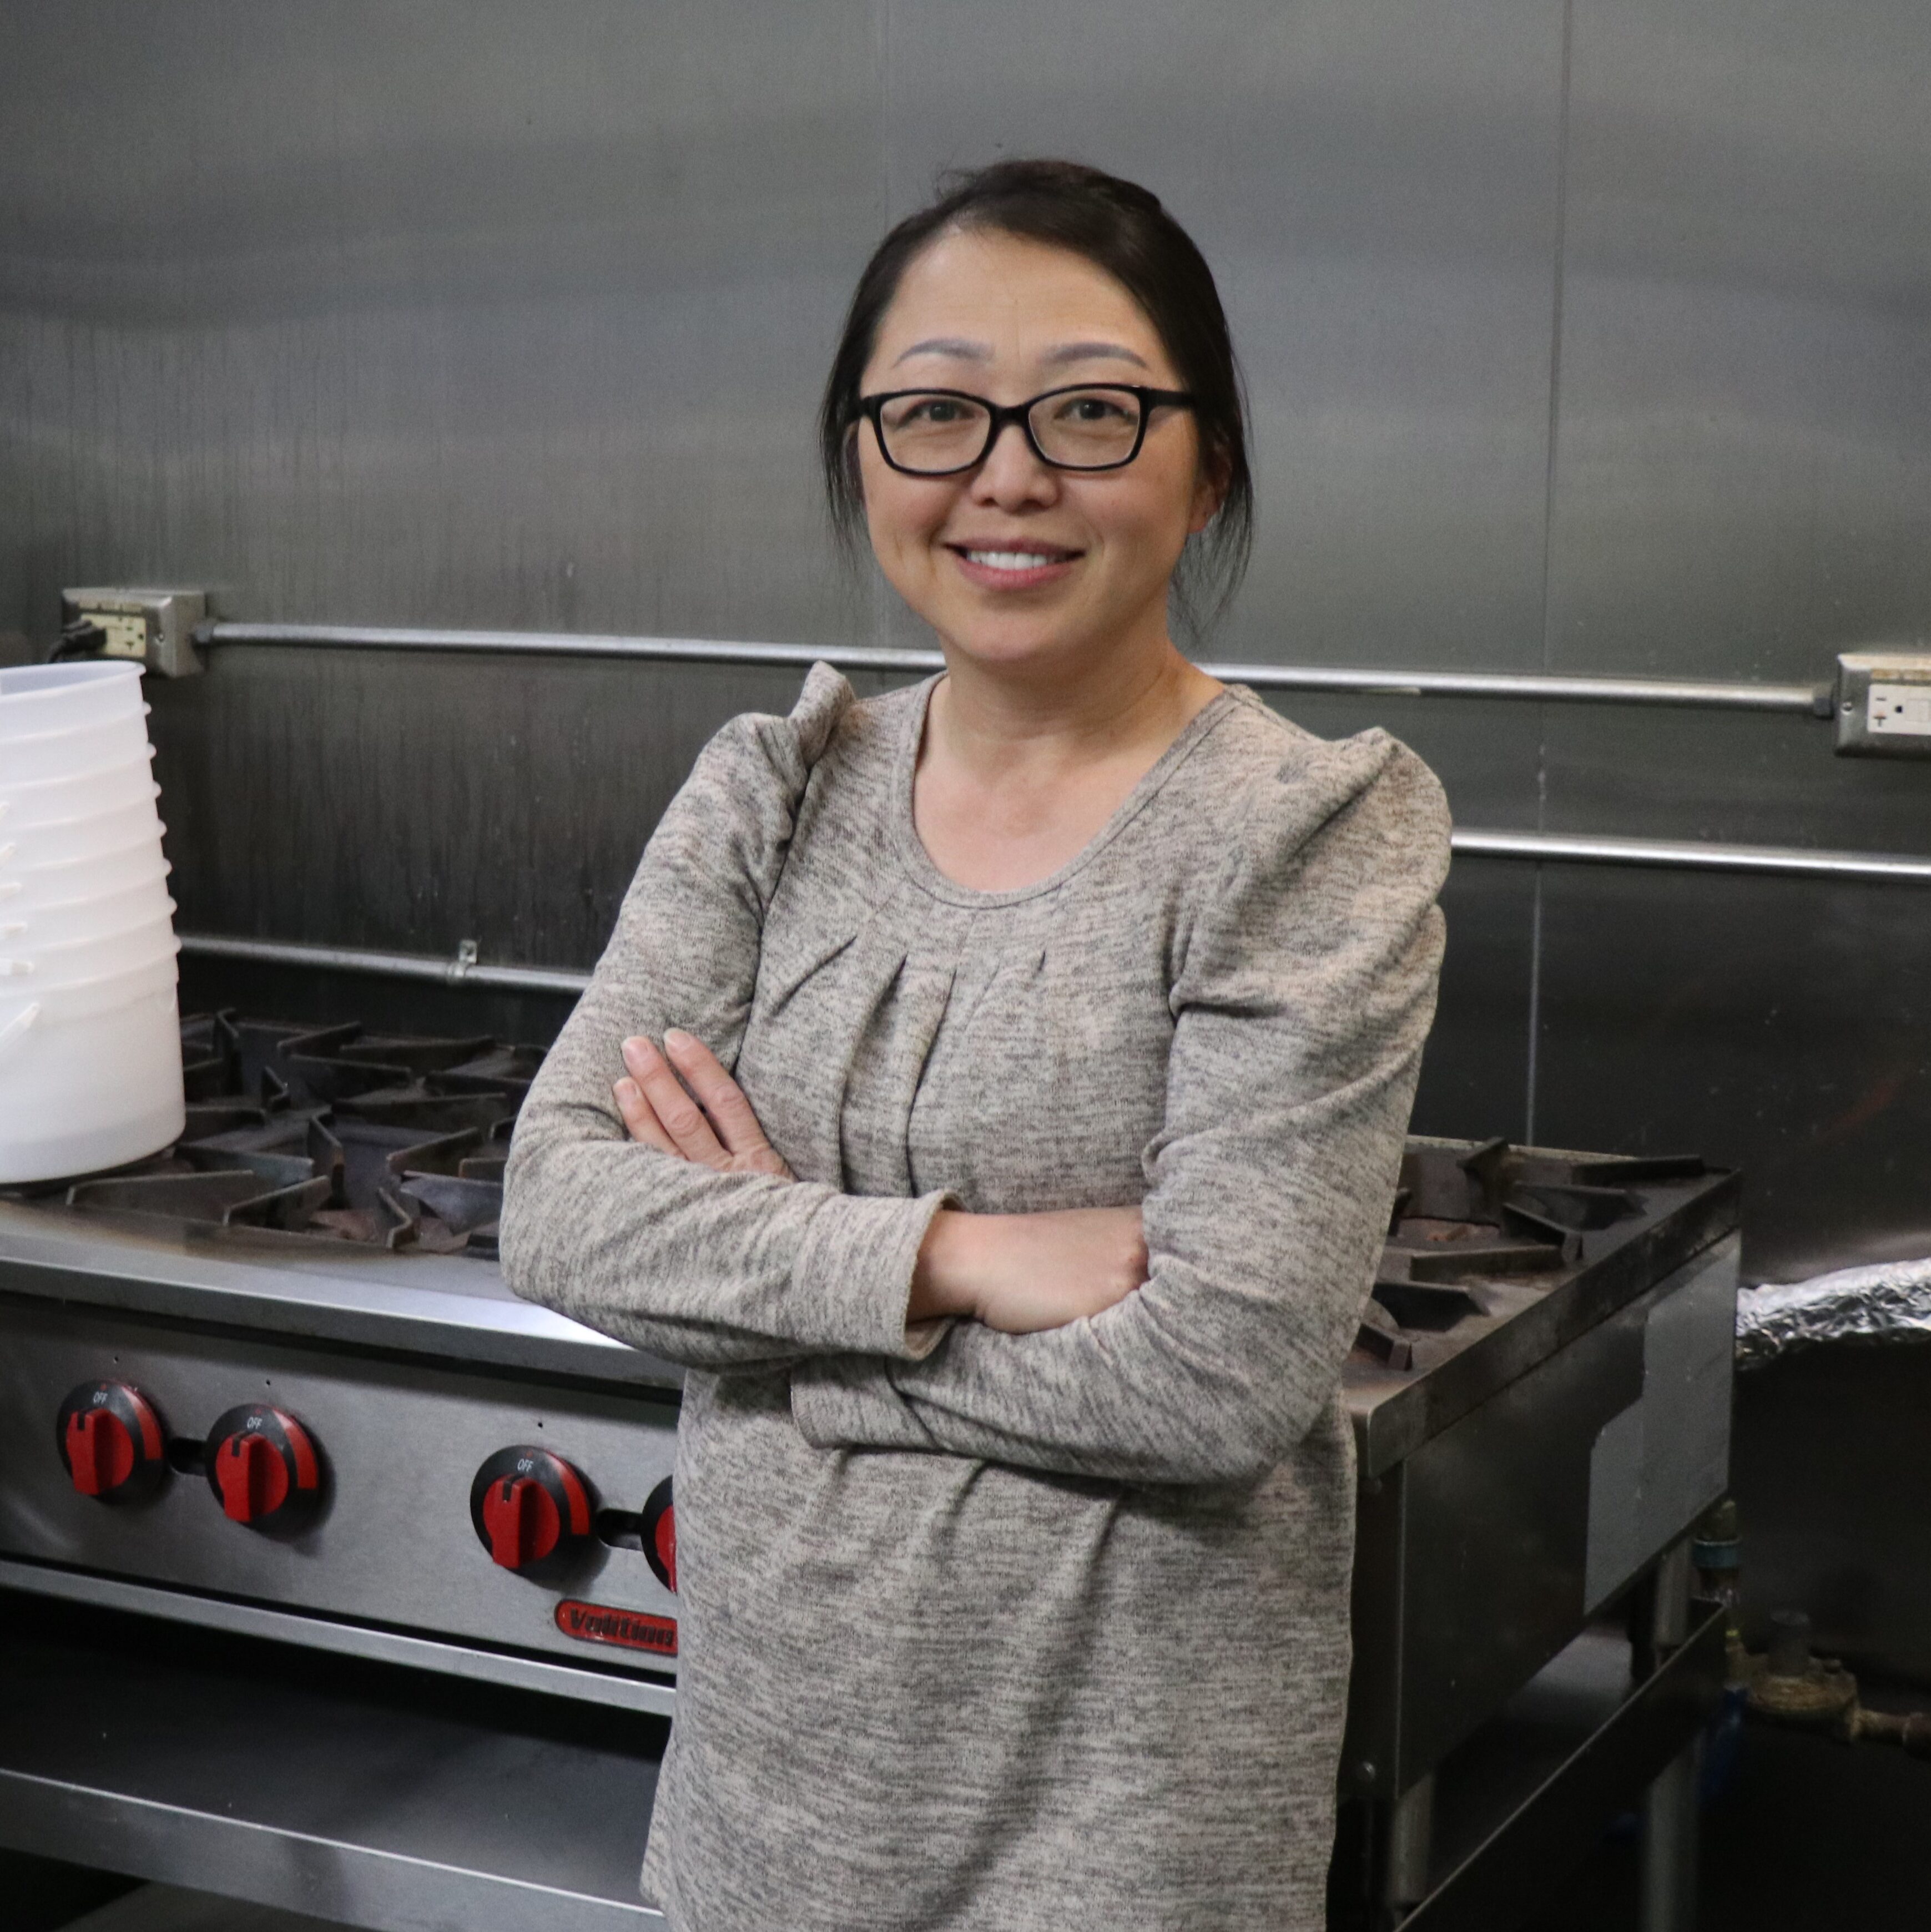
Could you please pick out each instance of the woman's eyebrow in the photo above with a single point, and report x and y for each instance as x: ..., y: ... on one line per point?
x: 1089, y: 352
x: 947, y: 345
x: 980, y: 352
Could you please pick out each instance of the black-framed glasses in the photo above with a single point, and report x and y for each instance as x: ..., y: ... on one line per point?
x: 1089, y: 426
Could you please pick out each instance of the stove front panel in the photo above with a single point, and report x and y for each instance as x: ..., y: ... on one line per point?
x: 394, y: 1540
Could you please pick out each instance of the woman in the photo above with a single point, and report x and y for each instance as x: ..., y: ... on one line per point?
x: 993, y: 1094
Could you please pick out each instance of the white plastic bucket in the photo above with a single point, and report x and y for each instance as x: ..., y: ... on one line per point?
x: 90, y: 1075
x: 90, y: 1043
x: 99, y: 788
x: 30, y: 886
x: 24, y: 929
x: 59, y: 755
x: 92, y: 837
x: 71, y: 962
x: 40, y: 698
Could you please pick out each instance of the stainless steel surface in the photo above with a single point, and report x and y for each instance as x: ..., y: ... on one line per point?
x: 463, y: 969
x: 1524, y: 1801
x: 1666, y: 1899
x: 167, y: 1908
x: 1807, y: 700
x: 1741, y: 473
x: 1672, y: 1013
x: 1532, y: 1486
x: 1411, y: 1835
x: 431, y: 1305
x: 1690, y: 1240
x: 400, y: 1442
x: 366, y: 1797
x: 366, y: 1641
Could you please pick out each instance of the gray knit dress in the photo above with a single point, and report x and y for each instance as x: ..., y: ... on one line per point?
x: 1003, y: 1633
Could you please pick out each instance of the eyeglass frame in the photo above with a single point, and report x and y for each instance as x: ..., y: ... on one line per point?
x: 999, y: 415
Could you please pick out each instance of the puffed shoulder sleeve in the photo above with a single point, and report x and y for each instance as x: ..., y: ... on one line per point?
x: 710, y: 1270
x: 1301, y: 1002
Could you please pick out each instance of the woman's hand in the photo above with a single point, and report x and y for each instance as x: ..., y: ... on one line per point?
x: 716, y: 1129
x: 1022, y: 1273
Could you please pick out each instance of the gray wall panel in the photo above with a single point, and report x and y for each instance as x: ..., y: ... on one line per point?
x: 468, y: 314
x: 1377, y: 188
x: 1742, y: 487
x: 1781, y: 1025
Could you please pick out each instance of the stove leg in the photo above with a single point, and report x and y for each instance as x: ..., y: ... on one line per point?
x: 1670, y: 1820
x: 1411, y: 1832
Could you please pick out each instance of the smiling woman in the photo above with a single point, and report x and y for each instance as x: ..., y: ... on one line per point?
x: 993, y: 1094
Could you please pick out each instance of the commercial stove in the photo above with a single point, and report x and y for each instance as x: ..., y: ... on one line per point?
x: 280, y: 1454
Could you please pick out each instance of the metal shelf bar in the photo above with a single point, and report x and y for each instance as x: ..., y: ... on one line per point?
x: 1797, y: 700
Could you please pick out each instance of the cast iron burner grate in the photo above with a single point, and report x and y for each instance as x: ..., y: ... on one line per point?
x: 1474, y: 1233
x: 331, y: 1134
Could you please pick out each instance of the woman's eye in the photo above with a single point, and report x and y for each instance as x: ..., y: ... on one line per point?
x: 1093, y: 409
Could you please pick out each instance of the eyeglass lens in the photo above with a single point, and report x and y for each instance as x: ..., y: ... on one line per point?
x: 1078, y: 429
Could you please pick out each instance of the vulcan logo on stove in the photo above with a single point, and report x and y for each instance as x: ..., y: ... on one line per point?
x: 602, y: 1623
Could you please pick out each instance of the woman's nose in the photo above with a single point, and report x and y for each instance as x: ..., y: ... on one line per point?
x: 1011, y: 474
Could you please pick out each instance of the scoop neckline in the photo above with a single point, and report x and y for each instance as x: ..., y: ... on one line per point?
x: 926, y: 873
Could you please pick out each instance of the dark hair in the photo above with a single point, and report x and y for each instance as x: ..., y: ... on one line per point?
x: 1120, y: 227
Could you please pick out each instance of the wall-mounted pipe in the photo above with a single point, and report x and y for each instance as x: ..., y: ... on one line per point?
x: 1800, y: 699
x: 1693, y: 855
x: 464, y: 969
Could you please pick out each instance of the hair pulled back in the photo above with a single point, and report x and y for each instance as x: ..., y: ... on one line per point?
x: 1121, y: 228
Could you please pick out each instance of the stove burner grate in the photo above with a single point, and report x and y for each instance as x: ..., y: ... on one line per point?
x: 330, y: 1134
x: 1472, y: 1234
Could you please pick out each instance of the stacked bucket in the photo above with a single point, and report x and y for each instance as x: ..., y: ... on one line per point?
x: 90, y: 1044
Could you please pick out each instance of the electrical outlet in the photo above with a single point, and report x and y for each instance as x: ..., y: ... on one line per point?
x: 154, y: 628
x: 1884, y: 704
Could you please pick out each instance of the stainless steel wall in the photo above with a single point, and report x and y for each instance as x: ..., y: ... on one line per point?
x: 1588, y: 338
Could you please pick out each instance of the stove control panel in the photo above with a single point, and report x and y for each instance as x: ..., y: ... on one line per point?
x: 263, y: 1467
x: 532, y: 1510
x: 111, y: 1441
x: 492, y: 1509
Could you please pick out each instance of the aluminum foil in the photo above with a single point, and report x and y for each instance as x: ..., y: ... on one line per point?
x: 1888, y: 1302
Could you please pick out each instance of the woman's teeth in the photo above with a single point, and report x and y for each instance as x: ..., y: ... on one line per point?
x: 1011, y: 559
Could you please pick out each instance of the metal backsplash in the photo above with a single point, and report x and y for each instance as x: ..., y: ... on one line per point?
x: 1582, y: 339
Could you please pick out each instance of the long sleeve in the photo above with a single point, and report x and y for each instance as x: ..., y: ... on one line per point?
x: 708, y: 1270
x: 1301, y: 1005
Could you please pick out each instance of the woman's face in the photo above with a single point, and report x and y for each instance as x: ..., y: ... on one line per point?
x: 1015, y: 560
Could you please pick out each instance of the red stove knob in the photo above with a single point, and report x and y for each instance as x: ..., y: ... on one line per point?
x: 112, y: 1441
x: 532, y: 1510
x: 660, y: 1534
x: 264, y: 1467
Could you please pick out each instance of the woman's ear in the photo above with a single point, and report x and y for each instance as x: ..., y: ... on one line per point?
x: 1209, y: 492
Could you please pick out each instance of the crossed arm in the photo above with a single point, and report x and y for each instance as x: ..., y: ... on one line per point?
x: 1018, y: 1274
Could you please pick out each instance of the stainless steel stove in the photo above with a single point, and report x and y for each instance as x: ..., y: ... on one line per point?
x: 268, y: 1389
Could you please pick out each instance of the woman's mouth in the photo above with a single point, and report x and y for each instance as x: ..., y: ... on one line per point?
x: 1003, y: 568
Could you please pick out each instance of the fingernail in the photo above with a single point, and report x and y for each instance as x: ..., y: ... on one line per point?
x: 636, y: 1048
x: 625, y: 1091
x: 677, y: 1036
